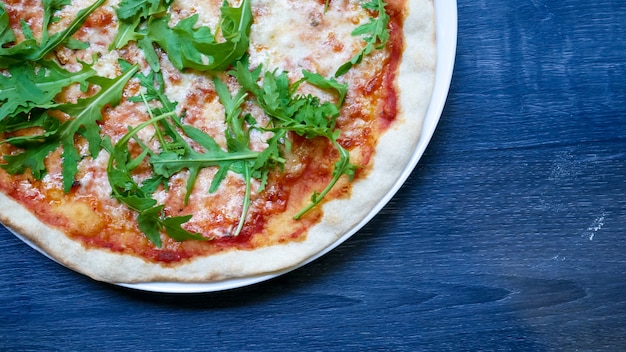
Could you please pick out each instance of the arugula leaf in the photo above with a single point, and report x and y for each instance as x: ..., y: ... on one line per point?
x: 167, y: 164
x: 152, y: 221
x: 131, y: 13
x: 30, y: 49
x: 28, y: 86
x: 6, y: 32
x: 33, y: 158
x: 305, y: 115
x: 237, y: 139
x: 148, y: 221
x: 86, y: 113
x: 84, y: 117
x: 36, y: 118
x: 235, y: 28
x: 331, y: 84
x: 375, y: 33
x: 179, y: 42
x: 154, y: 86
x: 129, y: 9
x: 186, y: 45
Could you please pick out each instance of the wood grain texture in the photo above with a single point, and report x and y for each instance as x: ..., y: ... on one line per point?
x: 509, y: 236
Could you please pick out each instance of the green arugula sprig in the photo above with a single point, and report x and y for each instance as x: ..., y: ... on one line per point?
x: 304, y: 115
x: 186, y: 45
x: 28, y: 90
x: 30, y: 80
x: 30, y: 49
x: 238, y: 141
x: 151, y: 219
x: 132, y: 13
x: 28, y: 86
x: 375, y: 33
x: 84, y: 117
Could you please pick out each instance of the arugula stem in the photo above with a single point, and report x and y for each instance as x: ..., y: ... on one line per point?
x: 375, y: 34
x: 132, y: 132
x: 237, y: 156
x: 70, y: 128
x: 246, y: 199
x: 122, y: 145
x: 157, y: 130
x: 69, y: 31
x: 342, y: 167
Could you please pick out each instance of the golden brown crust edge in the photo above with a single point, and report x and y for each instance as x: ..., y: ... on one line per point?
x: 395, y: 149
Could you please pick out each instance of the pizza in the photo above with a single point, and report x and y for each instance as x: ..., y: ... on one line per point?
x: 195, y: 141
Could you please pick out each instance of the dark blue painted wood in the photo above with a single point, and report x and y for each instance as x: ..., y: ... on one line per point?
x: 509, y: 235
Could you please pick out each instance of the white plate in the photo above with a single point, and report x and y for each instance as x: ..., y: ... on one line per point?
x: 446, y: 31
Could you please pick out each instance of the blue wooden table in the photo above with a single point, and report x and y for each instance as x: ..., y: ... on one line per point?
x: 509, y: 235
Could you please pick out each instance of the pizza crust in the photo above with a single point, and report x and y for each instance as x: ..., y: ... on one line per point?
x: 395, y: 149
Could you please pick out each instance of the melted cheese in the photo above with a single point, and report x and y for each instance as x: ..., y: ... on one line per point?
x: 295, y: 35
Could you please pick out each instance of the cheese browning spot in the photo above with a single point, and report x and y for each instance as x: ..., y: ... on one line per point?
x: 79, y: 218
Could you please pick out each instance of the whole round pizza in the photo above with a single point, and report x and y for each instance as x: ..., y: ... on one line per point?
x: 195, y: 141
